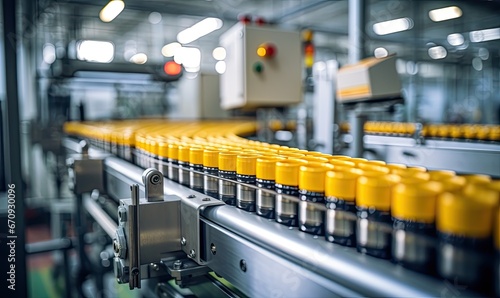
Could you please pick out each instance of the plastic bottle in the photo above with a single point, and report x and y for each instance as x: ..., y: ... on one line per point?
x: 196, y: 168
x: 464, y: 225
x: 245, y: 173
x: 173, y: 161
x: 287, y: 185
x: 265, y: 179
x: 184, y: 164
x: 373, y: 205
x: 227, y: 170
x: 211, y: 171
x: 311, y: 193
x: 413, y: 211
x: 340, y: 194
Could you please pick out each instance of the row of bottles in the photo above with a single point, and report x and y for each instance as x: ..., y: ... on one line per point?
x: 435, y: 222
x: 439, y: 131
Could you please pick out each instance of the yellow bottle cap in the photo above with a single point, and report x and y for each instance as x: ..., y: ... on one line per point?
x: 375, y: 191
x: 287, y: 172
x: 341, y: 184
x: 453, y: 184
x: 415, y: 201
x: 495, y: 185
x: 163, y: 149
x: 475, y: 178
x: 341, y: 157
x: 416, y: 169
x: 246, y: 164
x: 184, y: 152
x: 374, y: 167
x: 397, y: 166
x: 358, y: 160
x: 196, y: 156
x: 439, y: 175
x: 173, y: 151
x: 482, y: 192
x: 314, y: 159
x: 266, y: 168
x: 291, y: 154
x: 341, y: 162
x: 459, y: 215
x: 227, y: 161
x: 211, y: 158
x: 312, y: 176
x: 411, y: 174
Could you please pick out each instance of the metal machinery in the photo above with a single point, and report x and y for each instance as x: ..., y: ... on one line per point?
x: 168, y: 230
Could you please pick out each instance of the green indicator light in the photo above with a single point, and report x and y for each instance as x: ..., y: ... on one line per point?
x: 258, y: 67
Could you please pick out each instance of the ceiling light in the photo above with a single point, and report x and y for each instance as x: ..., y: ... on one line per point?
x: 139, y: 58
x: 485, y: 35
x: 392, y: 26
x: 455, y: 39
x: 111, y: 10
x: 380, y: 53
x: 483, y: 53
x: 154, y: 18
x: 220, y: 67
x: 189, y: 57
x: 49, y: 53
x: 445, y: 13
x: 477, y: 63
x: 219, y: 53
x: 169, y: 49
x: 198, y: 30
x: 95, y: 51
x: 437, y: 52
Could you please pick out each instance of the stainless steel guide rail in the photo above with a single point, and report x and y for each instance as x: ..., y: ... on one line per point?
x: 263, y: 258
x: 287, y: 260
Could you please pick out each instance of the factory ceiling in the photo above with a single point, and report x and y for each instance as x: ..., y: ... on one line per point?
x: 65, y: 20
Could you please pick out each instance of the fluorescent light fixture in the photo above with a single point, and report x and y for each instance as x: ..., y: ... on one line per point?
x: 111, y: 10
x: 168, y: 50
x: 198, y: 30
x: 219, y: 53
x: 445, y: 13
x: 49, y: 53
x: 220, y: 67
x: 95, y: 51
x: 485, y: 35
x: 380, y: 53
x: 437, y: 52
x: 139, y: 58
x: 455, y: 39
x: 392, y: 26
x: 189, y: 57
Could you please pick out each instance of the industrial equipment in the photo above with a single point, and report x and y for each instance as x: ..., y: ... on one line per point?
x: 171, y: 231
x: 263, y: 67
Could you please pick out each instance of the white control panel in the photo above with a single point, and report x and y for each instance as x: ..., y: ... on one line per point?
x: 263, y: 67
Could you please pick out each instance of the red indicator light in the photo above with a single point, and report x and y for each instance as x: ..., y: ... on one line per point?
x: 171, y: 68
x: 245, y: 18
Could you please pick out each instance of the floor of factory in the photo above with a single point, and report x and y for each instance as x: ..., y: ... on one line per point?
x: 45, y: 273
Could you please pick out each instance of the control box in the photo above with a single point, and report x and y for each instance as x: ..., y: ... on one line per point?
x: 263, y: 67
x: 371, y: 79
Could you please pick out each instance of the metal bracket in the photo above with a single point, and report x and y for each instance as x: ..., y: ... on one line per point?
x: 153, y: 184
x: 186, y: 272
x: 190, y: 224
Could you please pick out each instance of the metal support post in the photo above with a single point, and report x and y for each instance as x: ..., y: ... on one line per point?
x: 13, y: 145
x: 357, y: 123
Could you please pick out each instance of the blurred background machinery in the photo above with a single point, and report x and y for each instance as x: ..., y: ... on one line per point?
x: 406, y: 82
